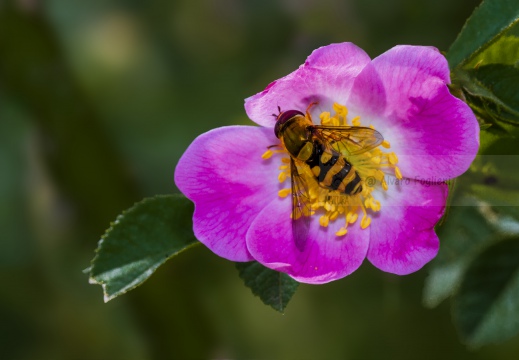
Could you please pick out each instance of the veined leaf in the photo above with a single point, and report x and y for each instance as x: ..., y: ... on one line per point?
x: 486, y: 307
x: 492, y: 91
x: 465, y: 230
x: 140, y: 240
x: 505, y: 50
x: 491, y: 20
x: 273, y: 288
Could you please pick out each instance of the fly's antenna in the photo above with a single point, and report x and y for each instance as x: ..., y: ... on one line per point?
x: 279, y: 112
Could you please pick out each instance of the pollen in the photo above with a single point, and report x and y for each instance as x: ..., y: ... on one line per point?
x: 351, y: 217
x: 342, y: 231
x: 393, y: 159
x: 283, y: 193
x: 398, y: 174
x: 267, y: 154
x: 324, y: 220
x: 325, y: 118
x: 365, y: 222
x: 371, y: 165
x: 340, y: 110
x: 384, y: 185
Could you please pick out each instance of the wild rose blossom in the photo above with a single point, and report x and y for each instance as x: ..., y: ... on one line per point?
x: 240, y: 184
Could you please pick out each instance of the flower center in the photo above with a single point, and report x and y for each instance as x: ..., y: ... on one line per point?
x: 370, y: 166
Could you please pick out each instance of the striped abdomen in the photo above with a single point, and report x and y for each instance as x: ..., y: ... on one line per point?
x: 333, y: 171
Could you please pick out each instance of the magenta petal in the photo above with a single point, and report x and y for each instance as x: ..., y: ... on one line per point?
x: 325, y: 257
x: 440, y: 139
x: 223, y: 173
x: 327, y: 76
x: 403, y: 93
x: 407, y: 73
x: 402, y: 237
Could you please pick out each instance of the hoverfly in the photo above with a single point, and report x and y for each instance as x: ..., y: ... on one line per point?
x: 324, y: 151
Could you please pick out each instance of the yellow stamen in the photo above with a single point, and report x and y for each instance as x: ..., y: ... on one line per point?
x: 398, y: 174
x: 324, y: 220
x: 393, y: 159
x: 267, y: 154
x: 284, y: 193
x: 341, y: 110
x: 325, y: 118
x: 327, y: 206
x: 342, y: 231
x: 341, y: 205
x: 379, y: 175
x: 366, y: 221
x: 376, y: 159
x: 384, y: 185
x: 352, y: 217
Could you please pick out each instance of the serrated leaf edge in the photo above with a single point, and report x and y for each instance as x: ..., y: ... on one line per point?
x: 137, y: 282
x: 485, y: 45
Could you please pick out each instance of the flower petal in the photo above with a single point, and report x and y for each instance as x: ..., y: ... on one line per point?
x: 325, y: 257
x: 223, y: 173
x: 402, y: 237
x: 403, y: 93
x: 327, y: 76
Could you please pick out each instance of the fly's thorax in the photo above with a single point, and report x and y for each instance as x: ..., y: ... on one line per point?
x: 296, y: 137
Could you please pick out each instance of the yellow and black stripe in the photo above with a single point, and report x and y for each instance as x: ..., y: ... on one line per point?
x: 333, y: 171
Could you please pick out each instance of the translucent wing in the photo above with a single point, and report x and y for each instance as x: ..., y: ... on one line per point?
x: 301, y: 209
x: 349, y: 140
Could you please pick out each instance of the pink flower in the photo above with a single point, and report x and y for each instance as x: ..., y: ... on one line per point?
x: 240, y: 188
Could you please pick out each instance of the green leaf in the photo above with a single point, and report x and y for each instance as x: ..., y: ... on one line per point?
x: 504, y: 201
x: 464, y: 232
x: 491, y: 20
x: 499, y: 139
x: 492, y: 91
x: 485, y: 204
x: 486, y: 308
x: 273, y: 288
x: 140, y: 240
x: 505, y: 50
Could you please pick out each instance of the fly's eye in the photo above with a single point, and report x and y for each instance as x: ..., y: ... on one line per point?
x: 283, y: 117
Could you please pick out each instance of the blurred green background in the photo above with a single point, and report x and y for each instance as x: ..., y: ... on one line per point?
x: 98, y: 100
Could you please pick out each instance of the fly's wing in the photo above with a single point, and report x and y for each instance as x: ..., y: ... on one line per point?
x: 349, y: 140
x: 301, y: 210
